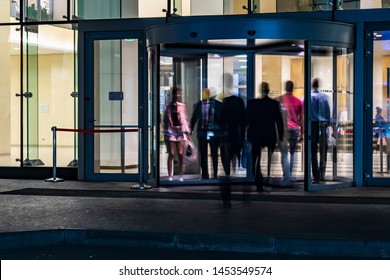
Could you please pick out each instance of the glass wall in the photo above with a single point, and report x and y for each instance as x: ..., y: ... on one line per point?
x: 46, y: 95
x: 50, y: 77
x: 332, y: 115
x: 276, y: 70
x: 381, y: 107
x: 54, y: 10
x: 36, y: 10
x: 223, y: 76
x: 10, y: 59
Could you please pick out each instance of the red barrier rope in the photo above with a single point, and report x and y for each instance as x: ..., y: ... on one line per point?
x: 97, y: 130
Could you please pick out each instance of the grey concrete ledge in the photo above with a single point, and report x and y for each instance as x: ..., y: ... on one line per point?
x: 299, y: 247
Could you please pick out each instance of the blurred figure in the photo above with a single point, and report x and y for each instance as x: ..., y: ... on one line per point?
x: 176, y: 131
x: 380, y: 123
x: 207, y: 115
x: 292, y: 108
x: 265, y: 126
x: 320, y: 120
x: 233, y: 122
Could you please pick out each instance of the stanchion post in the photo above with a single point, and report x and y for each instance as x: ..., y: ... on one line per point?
x: 140, y: 184
x: 54, y: 178
x: 381, y: 150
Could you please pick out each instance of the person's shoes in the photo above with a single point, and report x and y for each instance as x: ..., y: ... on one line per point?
x: 170, y: 178
x: 181, y: 179
x: 205, y: 177
x: 315, y: 182
x: 286, y: 182
x: 293, y: 180
x: 322, y: 179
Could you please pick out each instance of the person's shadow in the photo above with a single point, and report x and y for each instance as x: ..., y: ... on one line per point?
x: 226, y: 194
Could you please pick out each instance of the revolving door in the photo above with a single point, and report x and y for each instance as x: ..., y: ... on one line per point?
x: 207, y: 67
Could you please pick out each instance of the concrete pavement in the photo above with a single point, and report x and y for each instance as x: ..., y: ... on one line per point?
x: 345, y: 223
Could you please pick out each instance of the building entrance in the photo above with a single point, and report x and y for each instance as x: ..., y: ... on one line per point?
x: 112, y: 132
x: 209, y: 70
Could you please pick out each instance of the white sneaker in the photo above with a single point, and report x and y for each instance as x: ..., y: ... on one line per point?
x: 181, y: 179
x: 170, y: 178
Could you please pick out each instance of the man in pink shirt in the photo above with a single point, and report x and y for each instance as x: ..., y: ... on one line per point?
x: 292, y: 109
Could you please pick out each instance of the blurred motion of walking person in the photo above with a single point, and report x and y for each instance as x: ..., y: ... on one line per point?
x: 265, y: 127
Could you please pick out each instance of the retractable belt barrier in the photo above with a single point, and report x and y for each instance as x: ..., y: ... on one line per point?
x: 55, y: 129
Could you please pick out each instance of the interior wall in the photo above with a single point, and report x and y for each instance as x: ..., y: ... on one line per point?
x: 237, y: 7
x: 145, y: 9
x: 55, y: 102
x: 5, y: 96
x: 130, y: 9
x: 214, y: 67
x: 268, y: 6
x: 385, y: 65
x: 207, y: 7
x: 297, y: 66
x: 272, y: 71
x: 186, y: 7
x: 377, y: 84
x: 370, y: 4
x: 15, y: 102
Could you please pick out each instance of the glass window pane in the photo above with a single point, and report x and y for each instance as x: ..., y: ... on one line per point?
x: 115, y: 87
x: 331, y: 116
x: 10, y: 60
x: 99, y: 9
x: 381, y: 108
x: 53, y: 84
x: 286, y: 163
x: 343, y: 132
x: 38, y: 10
x: 9, y: 11
x: 322, y: 111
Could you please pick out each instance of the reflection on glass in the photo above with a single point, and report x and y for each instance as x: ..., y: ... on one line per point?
x: 285, y: 164
x: 381, y: 109
x: 115, y: 87
x: 332, y: 140
x: 204, y: 100
x: 343, y: 131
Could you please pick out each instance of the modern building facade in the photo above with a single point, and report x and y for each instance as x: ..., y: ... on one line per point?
x: 84, y: 84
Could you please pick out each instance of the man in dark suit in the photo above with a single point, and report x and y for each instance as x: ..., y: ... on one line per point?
x: 265, y: 127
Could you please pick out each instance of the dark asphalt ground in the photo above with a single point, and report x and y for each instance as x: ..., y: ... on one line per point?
x: 96, y: 220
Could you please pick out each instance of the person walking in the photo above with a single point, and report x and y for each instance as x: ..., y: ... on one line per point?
x: 320, y: 120
x: 207, y: 116
x: 292, y: 107
x: 265, y: 127
x: 233, y: 124
x: 176, y: 131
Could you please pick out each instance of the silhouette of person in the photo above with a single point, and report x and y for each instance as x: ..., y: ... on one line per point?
x: 265, y: 125
x: 380, y: 123
x: 292, y: 109
x: 233, y: 122
x: 207, y: 115
x: 320, y: 119
x: 176, y: 131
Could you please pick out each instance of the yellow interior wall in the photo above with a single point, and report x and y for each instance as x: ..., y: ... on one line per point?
x: 54, y: 91
x: 237, y: 6
x: 385, y: 65
x: 267, y: 6
x: 5, y: 97
x: 272, y: 69
x: 55, y: 103
x: 297, y: 76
